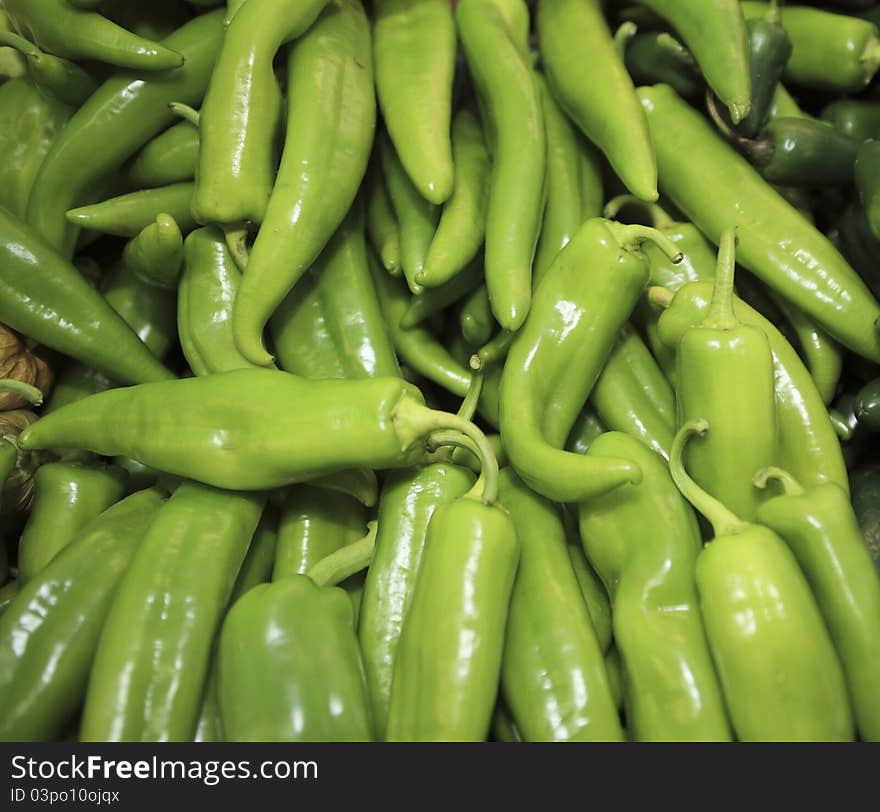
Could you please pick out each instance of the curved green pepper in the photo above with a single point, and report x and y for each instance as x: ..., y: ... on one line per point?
x: 48, y: 636
x: 169, y: 158
x: 656, y: 56
x: 854, y: 117
x: 382, y: 227
x: 643, y: 541
x: 593, y: 592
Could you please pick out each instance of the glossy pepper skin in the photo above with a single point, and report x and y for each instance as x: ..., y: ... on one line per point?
x: 152, y: 660
x: 854, y: 117
x: 574, y: 184
x: 653, y: 57
x: 602, y: 101
x: 441, y: 690
x: 49, y: 634
x: 205, y: 299
x: 236, y: 168
x: 331, y: 324
x: 715, y: 33
x: 408, y: 501
x: 643, y: 541
x: 46, y: 298
x: 552, y: 672
x: 494, y: 36
x: 820, y: 528
x: 30, y: 122
x: 414, y: 46
x: 332, y: 116
x: 830, y: 51
x: 289, y: 666
x: 67, y: 496
x: 77, y: 34
x: 382, y: 226
x: 580, y: 306
x: 593, y: 592
x: 725, y: 375
x: 775, y: 242
x: 461, y: 228
x: 234, y: 439
x: 122, y: 115
x: 169, y: 158
x: 807, y: 444
x: 781, y: 676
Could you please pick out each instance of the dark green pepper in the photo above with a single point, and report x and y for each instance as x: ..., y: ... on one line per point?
x: 856, y: 118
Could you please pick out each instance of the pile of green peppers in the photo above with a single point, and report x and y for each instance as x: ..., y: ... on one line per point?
x: 416, y: 370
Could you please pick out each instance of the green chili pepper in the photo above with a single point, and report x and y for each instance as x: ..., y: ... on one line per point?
x: 382, y: 226
x: 552, y: 674
x: 462, y: 226
x: 632, y: 394
x: 65, y: 80
x: 408, y: 501
x: 414, y: 46
x: 67, y: 496
x: 781, y: 676
x: 48, y: 636
x: 503, y: 727
x: 587, y: 295
x: 46, y: 298
x: 494, y: 36
x: 332, y: 327
x: 129, y: 214
x: 601, y: 101
x: 784, y: 105
x: 30, y: 122
x: 476, y: 320
x: 289, y: 666
x: 434, y: 300
x: 236, y: 168
x: 169, y: 158
x: 867, y: 177
x: 260, y: 559
x: 155, y: 255
x: 726, y: 376
x: 593, y: 592
x: 152, y: 660
x: 656, y: 56
x: 326, y: 150
x: 776, y: 243
x: 820, y: 528
x: 830, y: 51
x: 867, y: 405
x: 441, y: 690
x: 643, y: 541
x: 68, y: 32
x: 205, y: 299
x: 263, y: 443
x: 117, y: 120
x: 574, y: 184
x: 807, y: 444
x: 854, y: 117
x: 866, y: 506
x: 715, y: 33
x: 858, y: 244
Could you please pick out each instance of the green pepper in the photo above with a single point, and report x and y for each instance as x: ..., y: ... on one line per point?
x: 866, y: 505
x: 726, y: 376
x: 442, y: 690
x: 854, y: 117
x: 151, y: 663
x: 414, y: 46
x: 781, y: 676
x: 331, y: 119
x: 867, y: 177
x: 67, y: 496
x: 382, y: 227
x: 656, y: 56
x: 48, y: 636
x: 116, y: 121
x: 587, y: 295
x: 408, y: 501
x: 170, y: 157
x: 59, y: 28
x: 643, y: 541
x: 30, y: 122
x: 475, y: 319
x: 593, y: 592
x: 494, y: 37
x: 776, y: 243
x: 289, y: 666
x: 821, y: 529
x: 552, y: 672
x: 434, y: 300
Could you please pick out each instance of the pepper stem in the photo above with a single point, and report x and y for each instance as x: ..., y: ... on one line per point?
x: 659, y: 216
x: 494, y: 351
x: 773, y: 13
x: 790, y: 486
x: 623, y: 35
x: 632, y: 236
x: 185, y: 112
x: 22, y: 45
x: 414, y: 420
x: 720, y: 314
x: 841, y: 428
x: 468, y: 407
x: 724, y: 521
x: 346, y: 561
x: 24, y: 390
